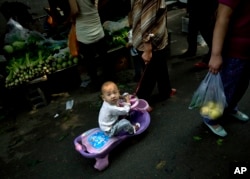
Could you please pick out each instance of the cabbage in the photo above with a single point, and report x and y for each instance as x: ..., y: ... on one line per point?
x: 18, y: 45
x: 8, y: 48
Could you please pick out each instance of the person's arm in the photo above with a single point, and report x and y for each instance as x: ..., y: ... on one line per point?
x: 151, y: 29
x: 147, y: 43
x: 220, y: 31
x: 120, y: 110
x: 147, y: 53
x: 74, y: 10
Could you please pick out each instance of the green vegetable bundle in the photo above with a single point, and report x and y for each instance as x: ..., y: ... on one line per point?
x: 26, y: 69
x: 34, y: 57
x: 117, y: 38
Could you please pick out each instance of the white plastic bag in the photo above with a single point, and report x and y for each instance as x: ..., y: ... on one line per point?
x: 16, y: 32
x: 113, y: 26
x: 210, y: 97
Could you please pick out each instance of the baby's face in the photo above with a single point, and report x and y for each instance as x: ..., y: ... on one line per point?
x: 111, y: 94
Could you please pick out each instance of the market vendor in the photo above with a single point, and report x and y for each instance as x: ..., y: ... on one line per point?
x: 91, y: 39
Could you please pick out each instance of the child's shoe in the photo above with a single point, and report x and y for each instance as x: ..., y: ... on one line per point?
x: 136, y: 127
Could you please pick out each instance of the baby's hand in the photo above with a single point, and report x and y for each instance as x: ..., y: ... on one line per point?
x: 126, y: 96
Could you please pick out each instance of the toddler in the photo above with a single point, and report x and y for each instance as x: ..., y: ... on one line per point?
x: 110, y: 111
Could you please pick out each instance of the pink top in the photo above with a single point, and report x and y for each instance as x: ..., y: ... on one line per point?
x: 237, y: 44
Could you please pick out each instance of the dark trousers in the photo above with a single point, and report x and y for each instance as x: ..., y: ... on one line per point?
x: 90, y: 52
x: 235, y: 76
x: 201, y: 20
x: 156, y: 73
x: 196, y: 25
x: 138, y: 67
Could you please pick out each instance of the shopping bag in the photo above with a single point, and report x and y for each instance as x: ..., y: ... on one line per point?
x: 210, y: 97
x: 72, y: 41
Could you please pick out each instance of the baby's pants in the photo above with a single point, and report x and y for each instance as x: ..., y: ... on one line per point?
x: 122, y: 125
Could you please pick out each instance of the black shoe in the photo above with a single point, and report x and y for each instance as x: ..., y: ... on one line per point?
x: 187, y: 54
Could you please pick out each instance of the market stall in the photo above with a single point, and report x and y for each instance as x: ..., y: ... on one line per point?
x: 41, y: 65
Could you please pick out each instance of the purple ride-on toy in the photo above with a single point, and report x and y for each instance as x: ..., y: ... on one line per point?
x: 95, y: 144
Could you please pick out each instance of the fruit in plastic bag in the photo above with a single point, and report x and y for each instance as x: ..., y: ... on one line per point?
x: 214, y: 114
x: 212, y: 110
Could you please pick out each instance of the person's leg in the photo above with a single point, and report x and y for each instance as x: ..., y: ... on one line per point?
x: 162, y: 75
x: 206, y: 29
x: 107, y: 62
x: 206, y: 20
x: 192, y: 41
x: 88, y: 52
x: 235, y: 75
x: 192, y: 35
x: 122, y: 125
x: 207, y: 34
x: 137, y: 67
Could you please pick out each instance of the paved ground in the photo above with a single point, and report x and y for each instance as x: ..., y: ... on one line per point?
x: 176, y: 145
